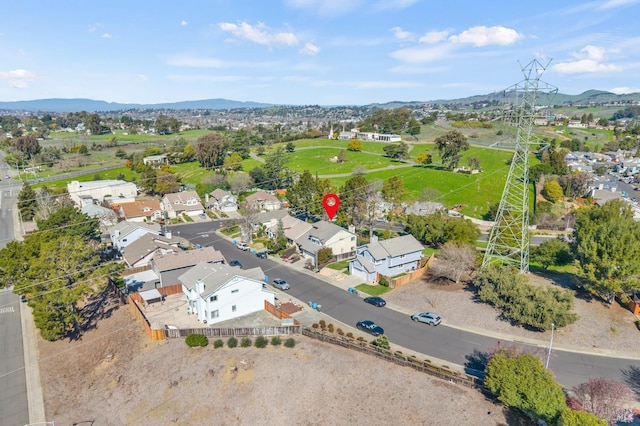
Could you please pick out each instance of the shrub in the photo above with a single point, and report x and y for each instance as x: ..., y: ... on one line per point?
x: 275, y: 341
x: 382, y: 342
x: 218, y: 343
x: 245, y: 342
x: 509, y: 291
x: 196, y: 339
x: 232, y: 342
x: 290, y: 342
x: 260, y: 342
x: 330, y: 328
x: 340, y: 332
x: 383, y: 282
x: 315, y: 325
x: 323, y: 324
x: 350, y: 335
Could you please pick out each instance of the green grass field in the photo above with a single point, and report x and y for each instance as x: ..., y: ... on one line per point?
x: 318, y: 160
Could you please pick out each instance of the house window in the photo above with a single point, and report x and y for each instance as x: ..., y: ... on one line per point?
x: 234, y: 291
x: 402, y: 256
x: 233, y: 308
x: 353, y: 238
x: 215, y: 314
x: 213, y: 298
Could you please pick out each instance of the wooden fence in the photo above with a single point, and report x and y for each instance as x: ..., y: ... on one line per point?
x: 397, y: 282
x: 236, y: 332
x: 398, y: 358
x: 154, y: 334
x: 135, y: 270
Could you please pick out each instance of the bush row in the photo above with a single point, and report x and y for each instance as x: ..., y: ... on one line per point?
x: 197, y: 339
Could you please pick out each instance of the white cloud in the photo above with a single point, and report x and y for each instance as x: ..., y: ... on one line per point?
x: 196, y: 62
x: 18, y: 79
x: 584, y: 65
x: 401, y: 34
x: 374, y: 84
x: 143, y: 77
x: 95, y: 27
x: 219, y: 78
x: 310, y: 49
x: 393, y: 4
x: 107, y: 35
x: 326, y: 7
x: 624, y: 90
x: 190, y: 61
x: 612, y: 4
x: 416, y: 55
x: 433, y: 37
x: 258, y: 34
x: 183, y: 23
x: 484, y: 36
x: 589, y: 59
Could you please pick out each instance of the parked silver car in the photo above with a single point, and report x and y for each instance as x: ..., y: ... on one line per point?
x: 281, y: 284
x: 427, y: 318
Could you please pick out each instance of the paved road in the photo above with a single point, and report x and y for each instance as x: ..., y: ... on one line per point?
x: 446, y: 343
x: 13, y: 387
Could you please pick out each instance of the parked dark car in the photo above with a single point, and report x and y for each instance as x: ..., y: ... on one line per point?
x: 370, y: 327
x: 375, y: 301
x: 235, y: 262
x: 427, y: 318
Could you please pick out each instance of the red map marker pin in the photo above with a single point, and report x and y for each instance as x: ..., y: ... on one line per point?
x: 331, y: 202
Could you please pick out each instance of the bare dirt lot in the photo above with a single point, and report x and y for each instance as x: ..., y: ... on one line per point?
x: 116, y: 376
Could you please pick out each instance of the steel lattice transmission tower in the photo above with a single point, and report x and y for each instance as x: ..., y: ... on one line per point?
x: 509, y: 238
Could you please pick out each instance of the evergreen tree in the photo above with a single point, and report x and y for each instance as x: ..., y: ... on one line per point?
x: 27, y: 202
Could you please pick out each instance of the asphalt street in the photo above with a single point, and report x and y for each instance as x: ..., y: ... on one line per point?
x: 13, y: 388
x: 446, y: 343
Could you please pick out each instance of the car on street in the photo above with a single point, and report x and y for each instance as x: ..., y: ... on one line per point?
x: 242, y: 246
x: 427, y: 318
x: 375, y: 301
x: 235, y: 262
x: 281, y: 284
x: 370, y: 327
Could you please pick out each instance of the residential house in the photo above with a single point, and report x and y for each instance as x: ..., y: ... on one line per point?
x: 156, y: 161
x: 171, y: 265
x: 325, y: 234
x: 222, y: 201
x: 106, y: 217
x: 142, y: 211
x: 293, y: 228
x: 268, y: 219
x: 144, y: 249
x: 125, y: 233
x: 186, y: 202
x: 424, y: 208
x: 388, y: 258
x: 218, y: 292
x: 97, y: 191
x: 263, y: 201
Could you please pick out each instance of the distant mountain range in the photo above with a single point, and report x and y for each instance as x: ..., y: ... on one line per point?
x: 90, y: 105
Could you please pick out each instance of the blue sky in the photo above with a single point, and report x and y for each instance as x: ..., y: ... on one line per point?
x: 326, y: 52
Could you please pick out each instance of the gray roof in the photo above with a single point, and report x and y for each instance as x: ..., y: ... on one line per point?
x: 321, y: 230
x: 219, y: 193
x: 270, y: 215
x: 182, y: 259
x: 214, y: 276
x: 394, y: 247
x: 150, y: 242
x: 368, y: 266
x: 126, y: 228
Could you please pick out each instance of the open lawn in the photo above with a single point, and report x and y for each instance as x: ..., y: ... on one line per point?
x: 371, y: 147
x: 318, y: 160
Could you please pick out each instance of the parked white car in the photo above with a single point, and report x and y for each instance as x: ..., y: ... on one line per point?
x: 242, y: 246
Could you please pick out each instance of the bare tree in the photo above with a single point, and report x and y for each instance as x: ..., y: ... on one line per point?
x: 240, y: 182
x: 605, y: 398
x: 249, y: 215
x: 453, y: 262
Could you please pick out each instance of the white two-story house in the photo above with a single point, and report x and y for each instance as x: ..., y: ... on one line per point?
x: 125, y: 233
x: 388, y: 257
x: 223, y: 201
x: 219, y: 292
